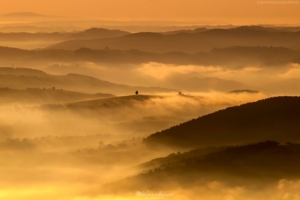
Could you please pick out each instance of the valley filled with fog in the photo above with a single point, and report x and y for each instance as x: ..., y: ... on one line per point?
x: 125, y: 111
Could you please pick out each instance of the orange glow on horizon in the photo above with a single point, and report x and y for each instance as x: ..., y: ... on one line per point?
x: 233, y: 11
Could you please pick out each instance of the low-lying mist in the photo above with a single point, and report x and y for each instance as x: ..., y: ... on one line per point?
x: 216, y: 190
x: 124, y: 116
x: 68, y: 151
x: 280, y: 80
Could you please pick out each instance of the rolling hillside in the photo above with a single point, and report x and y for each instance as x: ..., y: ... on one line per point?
x: 44, y: 96
x: 19, y: 78
x: 270, y: 119
x: 233, y: 57
x: 259, y: 163
x: 112, y: 102
x: 190, y: 42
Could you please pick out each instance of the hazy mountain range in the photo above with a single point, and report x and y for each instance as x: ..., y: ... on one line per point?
x: 237, y: 57
x: 92, y: 33
x: 191, y: 42
x: 27, y: 17
x: 23, y: 15
x: 13, y: 77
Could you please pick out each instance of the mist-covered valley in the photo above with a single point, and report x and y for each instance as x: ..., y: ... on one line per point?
x: 95, y: 109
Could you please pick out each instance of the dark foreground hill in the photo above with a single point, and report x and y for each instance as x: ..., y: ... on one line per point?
x: 19, y: 78
x: 262, y: 162
x: 275, y: 118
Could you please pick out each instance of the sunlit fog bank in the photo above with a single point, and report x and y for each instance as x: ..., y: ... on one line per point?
x: 68, y: 151
x: 278, y: 80
x: 123, y: 116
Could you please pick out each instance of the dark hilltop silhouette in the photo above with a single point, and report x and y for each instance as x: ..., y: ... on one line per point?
x: 275, y: 118
x: 260, y: 163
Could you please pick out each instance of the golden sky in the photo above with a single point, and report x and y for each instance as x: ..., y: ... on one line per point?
x: 225, y: 11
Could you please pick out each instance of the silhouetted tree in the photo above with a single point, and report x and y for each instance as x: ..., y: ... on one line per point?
x: 136, y: 92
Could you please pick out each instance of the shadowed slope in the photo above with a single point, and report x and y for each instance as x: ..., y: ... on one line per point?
x: 274, y: 118
x: 259, y: 163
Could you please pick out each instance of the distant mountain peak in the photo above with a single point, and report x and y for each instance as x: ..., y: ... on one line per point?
x: 23, y: 14
x: 255, y: 28
x: 94, y: 29
x: 101, y: 30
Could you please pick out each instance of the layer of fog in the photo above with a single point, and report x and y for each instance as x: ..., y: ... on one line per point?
x: 70, y: 153
x: 71, y: 24
x: 280, y: 80
x: 30, y: 45
x: 214, y: 190
x: 128, y: 120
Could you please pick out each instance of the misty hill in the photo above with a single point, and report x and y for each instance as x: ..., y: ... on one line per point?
x: 243, y: 91
x: 133, y: 115
x: 287, y: 28
x: 21, y: 72
x: 25, y: 17
x: 264, y: 162
x: 29, y: 29
x: 274, y: 118
x: 112, y: 102
x: 190, y: 42
x: 43, y: 96
x: 22, y: 14
x: 237, y: 57
x: 258, y: 28
x: 26, y: 78
x: 185, y: 31
x: 93, y: 33
x: 259, y: 56
x: 98, y: 33
x: 177, y: 157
